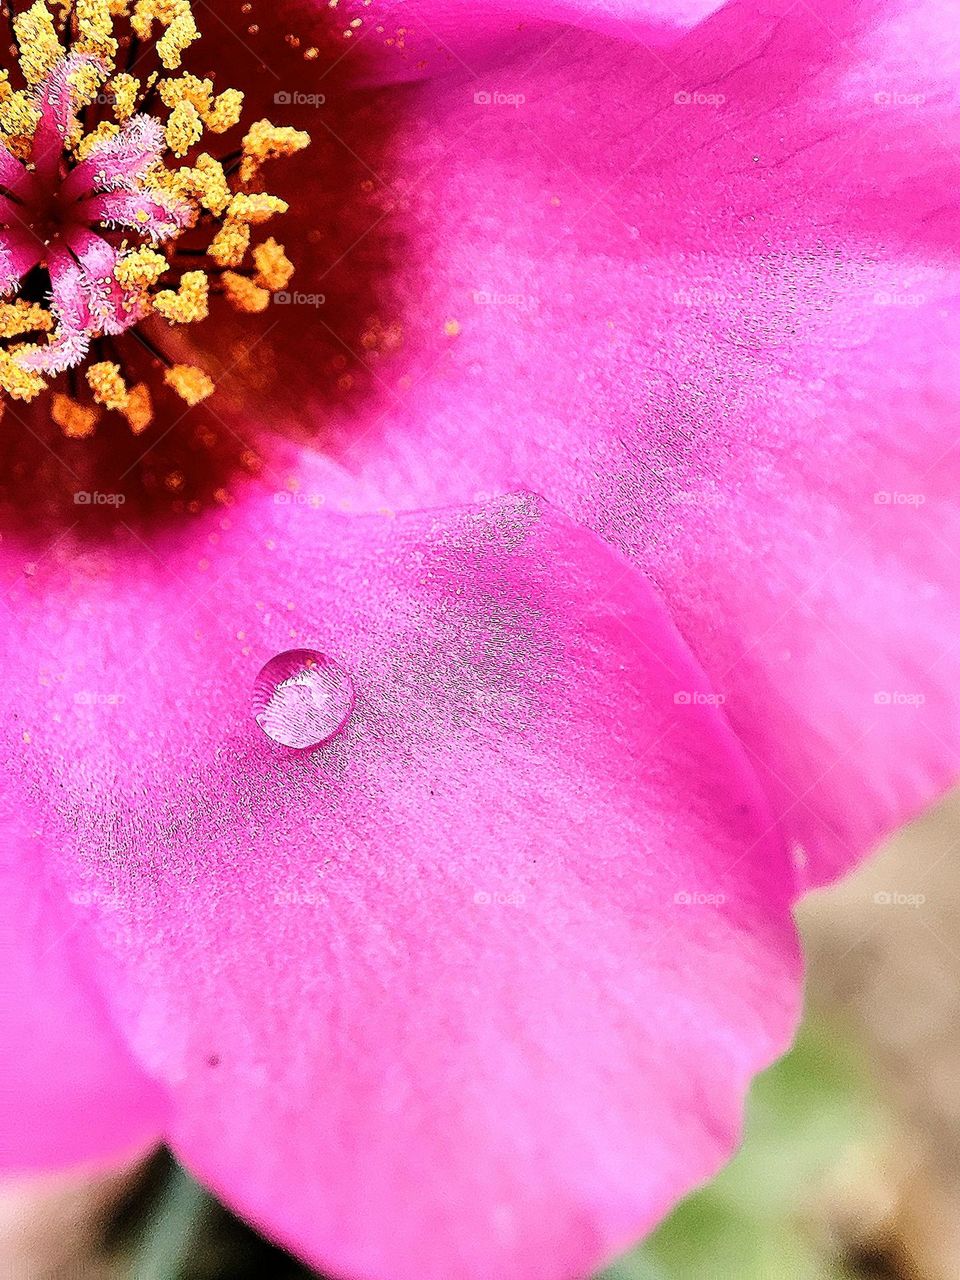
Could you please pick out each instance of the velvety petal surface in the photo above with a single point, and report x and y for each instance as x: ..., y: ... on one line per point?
x: 706, y: 300
x: 70, y: 1091
x: 412, y: 40
x: 474, y: 990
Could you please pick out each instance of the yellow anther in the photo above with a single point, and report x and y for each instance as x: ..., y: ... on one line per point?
x: 184, y: 128
x: 17, y: 382
x: 107, y: 384
x: 243, y: 294
x: 210, y: 184
x: 95, y: 25
x: 78, y: 421
x: 186, y: 88
x: 190, y: 383
x: 180, y: 34
x: 85, y: 81
x: 140, y: 268
x: 125, y: 89
x: 138, y: 410
x: 110, y: 390
x: 18, y: 119
x: 21, y: 317
x: 256, y: 208
x: 105, y: 129
x: 266, y: 141
x: 189, y: 303
x: 225, y: 111
x: 229, y: 246
x: 37, y: 40
x: 274, y: 268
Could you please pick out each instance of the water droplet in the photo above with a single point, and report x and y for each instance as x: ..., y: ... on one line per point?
x: 302, y: 698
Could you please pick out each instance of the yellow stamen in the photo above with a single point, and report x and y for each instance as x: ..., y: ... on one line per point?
x: 265, y: 141
x: 138, y: 410
x: 17, y: 382
x: 107, y: 385
x: 243, y: 294
x: 21, y: 317
x: 40, y: 48
x: 19, y: 116
x: 105, y: 129
x: 190, y: 383
x: 230, y: 244
x: 225, y: 111
x: 184, y: 128
x: 126, y: 90
x: 223, y: 204
x: 140, y: 268
x: 274, y: 268
x: 188, y: 303
x: 180, y: 34
x: 78, y: 421
x: 210, y: 184
x: 255, y: 208
x: 95, y: 29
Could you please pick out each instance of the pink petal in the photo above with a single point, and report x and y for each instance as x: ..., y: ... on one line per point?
x: 706, y: 300
x: 432, y: 1000
x: 412, y: 40
x: 70, y: 1091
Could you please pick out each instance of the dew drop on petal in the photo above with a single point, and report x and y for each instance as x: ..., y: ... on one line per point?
x: 301, y: 698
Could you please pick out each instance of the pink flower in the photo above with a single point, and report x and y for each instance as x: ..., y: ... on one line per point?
x: 475, y: 988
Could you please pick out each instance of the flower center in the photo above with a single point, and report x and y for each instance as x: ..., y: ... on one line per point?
x: 116, y: 213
